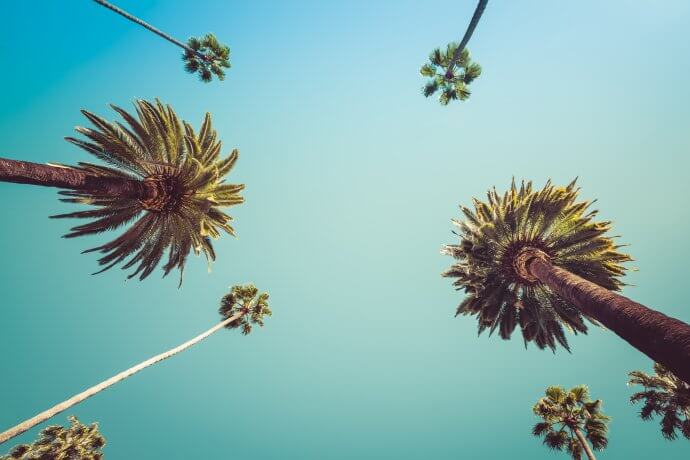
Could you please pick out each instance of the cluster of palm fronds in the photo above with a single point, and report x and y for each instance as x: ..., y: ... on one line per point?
x: 245, y: 301
x: 566, y: 412
x: 55, y: 442
x: 183, y: 171
x: 207, y: 57
x: 492, y: 235
x: 664, y: 395
x: 451, y: 81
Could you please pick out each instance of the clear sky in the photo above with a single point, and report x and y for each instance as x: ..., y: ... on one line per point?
x: 352, y: 180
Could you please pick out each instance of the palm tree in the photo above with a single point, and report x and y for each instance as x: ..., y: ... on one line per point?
x: 58, y: 443
x: 204, y: 55
x: 453, y: 86
x: 538, y: 259
x: 161, y: 175
x: 570, y: 420
x: 665, y: 395
x: 441, y: 65
x: 242, y: 308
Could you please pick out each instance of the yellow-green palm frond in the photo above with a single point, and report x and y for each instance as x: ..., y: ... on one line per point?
x: 493, y: 234
x: 183, y: 188
x: 78, y: 441
x: 666, y: 396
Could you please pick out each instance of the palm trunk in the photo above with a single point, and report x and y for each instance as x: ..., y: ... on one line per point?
x: 136, y: 20
x: 585, y: 444
x: 665, y: 340
x: 468, y: 33
x: 24, y: 172
x: 76, y: 399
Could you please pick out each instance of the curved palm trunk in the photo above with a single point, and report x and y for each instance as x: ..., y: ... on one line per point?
x: 76, y: 399
x: 24, y: 172
x: 665, y: 340
x: 468, y: 33
x: 585, y: 444
x: 136, y: 20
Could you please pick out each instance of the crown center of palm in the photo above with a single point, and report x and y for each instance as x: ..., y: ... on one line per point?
x: 519, y: 259
x: 163, y: 193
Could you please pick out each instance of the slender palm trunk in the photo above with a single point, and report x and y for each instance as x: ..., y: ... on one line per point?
x: 584, y: 444
x: 76, y: 399
x: 136, y: 20
x: 468, y: 33
x: 24, y: 172
x: 665, y: 340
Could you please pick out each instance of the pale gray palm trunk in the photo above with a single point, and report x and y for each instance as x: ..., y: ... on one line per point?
x: 584, y: 444
x: 76, y: 399
x: 156, y: 31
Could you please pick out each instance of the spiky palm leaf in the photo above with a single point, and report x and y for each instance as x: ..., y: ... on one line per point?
x: 207, y: 57
x: 664, y: 395
x: 183, y: 171
x: 78, y: 441
x: 491, y: 238
x: 452, y: 83
x: 563, y: 413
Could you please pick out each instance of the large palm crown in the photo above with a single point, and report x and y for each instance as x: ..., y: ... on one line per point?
x: 78, y: 441
x: 664, y: 395
x: 491, y: 239
x: 566, y: 412
x: 181, y: 167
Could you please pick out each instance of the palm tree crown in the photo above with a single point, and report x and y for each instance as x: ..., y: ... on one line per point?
x: 492, y: 239
x: 567, y: 415
x: 665, y: 395
x: 182, y: 169
x: 246, y: 301
x: 206, y: 56
x: 58, y: 443
x: 448, y: 76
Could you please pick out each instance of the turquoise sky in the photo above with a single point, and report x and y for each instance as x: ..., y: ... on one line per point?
x: 352, y: 180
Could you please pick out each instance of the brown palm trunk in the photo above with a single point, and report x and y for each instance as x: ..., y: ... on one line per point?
x: 584, y: 444
x: 665, y: 340
x: 76, y: 399
x: 24, y: 172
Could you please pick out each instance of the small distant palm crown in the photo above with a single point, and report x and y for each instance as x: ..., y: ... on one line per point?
x: 207, y: 57
x: 182, y: 169
x: 493, y: 238
x: 664, y: 395
x: 563, y: 413
x: 55, y: 442
x: 452, y: 83
x: 247, y: 301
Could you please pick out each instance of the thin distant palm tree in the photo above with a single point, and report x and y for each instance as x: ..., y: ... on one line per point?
x: 161, y: 173
x: 571, y: 419
x: 664, y: 395
x: 242, y: 308
x: 441, y: 66
x: 77, y: 442
x: 204, y: 55
x: 538, y: 259
x: 453, y: 86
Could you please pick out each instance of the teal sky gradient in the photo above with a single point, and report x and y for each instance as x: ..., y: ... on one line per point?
x: 352, y: 180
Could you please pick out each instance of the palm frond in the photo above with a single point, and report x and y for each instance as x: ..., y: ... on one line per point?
x: 664, y: 395
x: 77, y: 441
